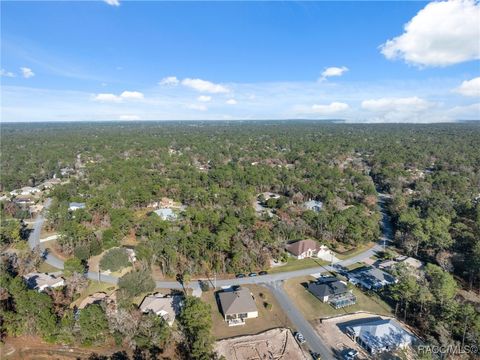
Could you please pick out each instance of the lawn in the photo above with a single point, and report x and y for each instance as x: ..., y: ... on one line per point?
x: 93, y: 287
x: 295, y: 264
x: 313, y: 308
x: 350, y: 253
x: 356, y: 266
x: 47, y: 268
x: 267, y: 319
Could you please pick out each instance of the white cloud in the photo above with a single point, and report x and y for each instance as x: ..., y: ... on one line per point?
x: 27, y: 72
x: 204, y: 86
x: 199, y: 107
x: 332, y: 108
x: 408, y: 109
x: 132, y: 95
x: 126, y: 95
x: 107, y: 98
x: 468, y: 112
x: 204, y: 98
x: 441, y: 34
x: 333, y: 71
x: 129, y: 117
x: 231, y: 102
x: 112, y: 2
x: 469, y: 87
x: 169, y: 81
x: 6, y: 73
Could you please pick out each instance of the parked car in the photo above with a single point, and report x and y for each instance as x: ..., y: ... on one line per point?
x: 238, y: 276
x: 315, y: 356
x: 299, y: 337
x: 263, y: 273
x: 252, y: 274
x: 351, y: 354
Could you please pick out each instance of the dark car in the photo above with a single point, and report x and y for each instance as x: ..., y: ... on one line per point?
x: 252, y: 274
x: 299, y: 337
x: 238, y: 276
x: 262, y: 273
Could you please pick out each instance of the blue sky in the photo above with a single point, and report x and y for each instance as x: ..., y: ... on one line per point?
x: 227, y: 60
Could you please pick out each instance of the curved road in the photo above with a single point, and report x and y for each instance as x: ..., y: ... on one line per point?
x: 274, y: 282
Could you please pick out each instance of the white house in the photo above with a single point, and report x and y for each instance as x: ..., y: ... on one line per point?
x: 73, y: 206
x: 313, y: 205
x: 237, y: 306
x: 42, y: 281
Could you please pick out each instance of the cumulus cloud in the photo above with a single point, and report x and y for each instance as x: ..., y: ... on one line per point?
x: 408, y: 109
x: 6, y: 73
x: 132, y: 95
x: 204, y: 86
x: 231, y: 102
x: 329, y: 109
x: 126, y: 95
x: 468, y: 112
x: 469, y: 87
x: 204, y: 98
x: 441, y: 34
x: 169, y: 81
x: 112, y: 2
x: 129, y: 117
x: 27, y: 72
x: 333, y: 71
x: 198, y: 107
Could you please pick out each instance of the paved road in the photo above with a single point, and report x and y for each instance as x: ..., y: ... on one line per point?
x: 300, y: 323
x: 274, y: 282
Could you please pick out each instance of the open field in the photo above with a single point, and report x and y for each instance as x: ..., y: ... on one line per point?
x: 295, y: 264
x: 350, y: 253
x: 312, y: 308
x: 267, y: 319
x: 47, y: 268
x: 278, y: 344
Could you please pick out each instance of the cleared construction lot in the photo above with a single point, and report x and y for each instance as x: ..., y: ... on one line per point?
x: 277, y: 344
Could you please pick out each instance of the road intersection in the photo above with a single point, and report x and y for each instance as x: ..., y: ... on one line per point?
x: 274, y: 282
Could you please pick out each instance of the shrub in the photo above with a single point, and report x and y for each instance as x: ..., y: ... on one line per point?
x: 136, y: 282
x: 73, y: 265
x: 114, y: 259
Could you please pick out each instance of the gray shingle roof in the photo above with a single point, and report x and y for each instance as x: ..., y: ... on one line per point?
x: 237, y: 301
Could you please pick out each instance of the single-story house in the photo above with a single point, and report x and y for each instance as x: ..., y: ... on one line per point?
x: 166, y: 214
x: 313, y: 205
x: 165, y: 306
x: 41, y: 281
x: 380, y: 335
x: 237, y: 305
x: 333, y: 291
x: 73, y: 206
x: 370, y: 278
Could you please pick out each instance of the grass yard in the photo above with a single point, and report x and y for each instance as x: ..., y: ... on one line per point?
x: 93, y: 287
x: 47, y: 268
x: 356, y: 266
x: 295, y: 264
x: 312, y: 308
x: 267, y: 319
x: 350, y: 253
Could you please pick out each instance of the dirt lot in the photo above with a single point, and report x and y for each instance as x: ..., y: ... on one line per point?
x: 312, y: 308
x: 277, y: 344
x: 267, y: 319
x: 30, y: 347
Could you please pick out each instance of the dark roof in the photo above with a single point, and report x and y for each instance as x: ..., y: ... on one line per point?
x: 237, y: 301
x: 327, y: 287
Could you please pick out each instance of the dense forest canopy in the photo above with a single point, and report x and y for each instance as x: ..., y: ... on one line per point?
x: 239, y: 191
